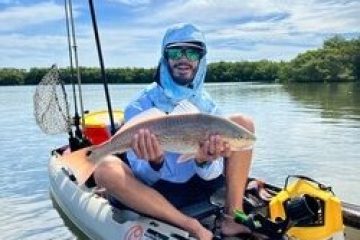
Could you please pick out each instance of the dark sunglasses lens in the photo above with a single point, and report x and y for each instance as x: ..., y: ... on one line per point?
x: 193, y: 54
x: 174, y: 53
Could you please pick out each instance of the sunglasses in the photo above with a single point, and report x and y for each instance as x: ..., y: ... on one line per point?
x: 192, y: 54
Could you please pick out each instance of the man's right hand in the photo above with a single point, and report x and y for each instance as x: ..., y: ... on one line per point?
x: 147, y: 147
x: 212, y: 148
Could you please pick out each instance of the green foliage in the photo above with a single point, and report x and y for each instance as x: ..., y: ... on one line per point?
x: 12, y: 76
x: 337, y: 61
x: 34, y: 75
x: 261, y: 71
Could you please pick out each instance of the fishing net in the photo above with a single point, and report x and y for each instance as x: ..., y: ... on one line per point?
x: 51, y: 109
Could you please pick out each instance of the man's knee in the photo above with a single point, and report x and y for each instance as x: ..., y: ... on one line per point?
x: 111, y: 173
x: 245, y: 121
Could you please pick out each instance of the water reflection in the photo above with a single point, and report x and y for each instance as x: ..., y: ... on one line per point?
x: 68, y: 223
x: 336, y: 100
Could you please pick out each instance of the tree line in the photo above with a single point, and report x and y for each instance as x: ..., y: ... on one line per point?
x: 338, y: 60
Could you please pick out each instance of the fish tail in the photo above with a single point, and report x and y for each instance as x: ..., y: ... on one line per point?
x: 95, y: 154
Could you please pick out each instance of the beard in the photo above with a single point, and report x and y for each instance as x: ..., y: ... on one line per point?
x: 183, y: 78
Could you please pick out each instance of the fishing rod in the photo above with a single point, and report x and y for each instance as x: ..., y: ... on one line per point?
x: 102, y: 68
x: 76, y: 118
x: 74, y: 46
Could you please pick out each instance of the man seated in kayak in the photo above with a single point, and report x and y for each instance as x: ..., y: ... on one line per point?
x: 154, y: 182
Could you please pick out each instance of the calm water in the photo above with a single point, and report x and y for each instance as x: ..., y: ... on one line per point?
x: 306, y: 129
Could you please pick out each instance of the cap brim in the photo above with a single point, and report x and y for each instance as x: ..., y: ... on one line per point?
x: 185, y: 44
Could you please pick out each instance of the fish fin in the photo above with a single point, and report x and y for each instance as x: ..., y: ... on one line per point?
x: 151, y: 113
x: 184, y: 107
x: 245, y: 148
x: 185, y: 157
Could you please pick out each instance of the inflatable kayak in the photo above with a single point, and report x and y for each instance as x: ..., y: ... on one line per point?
x: 96, y: 218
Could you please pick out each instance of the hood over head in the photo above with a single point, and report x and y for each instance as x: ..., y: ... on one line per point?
x: 182, y: 35
x: 166, y: 93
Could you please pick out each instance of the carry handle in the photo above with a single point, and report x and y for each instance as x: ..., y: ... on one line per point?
x: 320, y: 185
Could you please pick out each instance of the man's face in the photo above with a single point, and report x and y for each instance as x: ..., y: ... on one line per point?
x: 183, y: 64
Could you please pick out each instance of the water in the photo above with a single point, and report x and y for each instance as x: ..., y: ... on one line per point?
x: 310, y: 129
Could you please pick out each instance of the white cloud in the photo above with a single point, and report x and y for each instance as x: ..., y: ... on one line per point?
x: 308, y: 16
x: 260, y: 51
x: 323, y: 16
x: 209, y: 12
x: 259, y: 29
x: 19, y: 17
x: 132, y: 2
x: 121, y: 47
x: 31, y: 51
x: 235, y: 30
x: 247, y: 29
x: 131, y: 46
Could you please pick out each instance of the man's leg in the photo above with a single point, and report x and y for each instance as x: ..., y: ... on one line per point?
x: 119, y: 181
x: 237, y: 169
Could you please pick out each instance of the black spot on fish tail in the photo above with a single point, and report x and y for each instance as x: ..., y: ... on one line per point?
x: 88, y: 153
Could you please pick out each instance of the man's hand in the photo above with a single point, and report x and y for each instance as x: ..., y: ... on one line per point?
x: 147, y: 147
x: 212, y: 148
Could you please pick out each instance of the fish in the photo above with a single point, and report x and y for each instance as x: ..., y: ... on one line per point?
x: 176, y: 132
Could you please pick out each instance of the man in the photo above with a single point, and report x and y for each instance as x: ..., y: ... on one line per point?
x: 151, y: 180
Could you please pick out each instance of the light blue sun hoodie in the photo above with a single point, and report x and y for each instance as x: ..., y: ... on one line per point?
x: 165, y: 98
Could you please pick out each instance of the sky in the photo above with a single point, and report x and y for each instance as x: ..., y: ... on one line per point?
x: 33, y: 32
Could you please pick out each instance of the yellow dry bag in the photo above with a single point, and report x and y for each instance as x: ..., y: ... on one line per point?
x: 308, y: 195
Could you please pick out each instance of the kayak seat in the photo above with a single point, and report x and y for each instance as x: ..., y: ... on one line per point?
x: 198, y: 210
x: 201, y: 210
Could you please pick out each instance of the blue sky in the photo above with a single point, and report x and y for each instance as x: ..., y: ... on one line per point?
x: 33, y: 33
